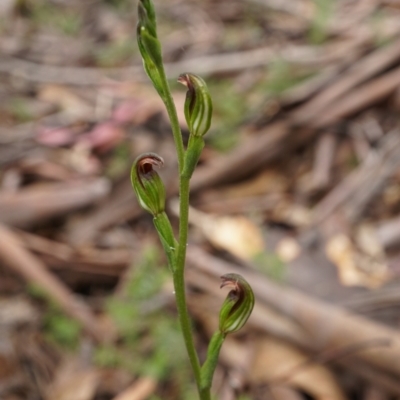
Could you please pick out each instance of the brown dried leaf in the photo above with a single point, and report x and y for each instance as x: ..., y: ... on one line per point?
x: 141, y: 389
x: 236, y: 234
x: 73, y: 383
x: 362, y: 264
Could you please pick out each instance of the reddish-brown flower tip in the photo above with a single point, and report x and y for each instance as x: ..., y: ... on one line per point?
x: 144, y: 164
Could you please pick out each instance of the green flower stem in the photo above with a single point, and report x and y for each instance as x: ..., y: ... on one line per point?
x: 179, y: 283
x: 173, y: 117
x: 179, y: 273
x: 208, y: 368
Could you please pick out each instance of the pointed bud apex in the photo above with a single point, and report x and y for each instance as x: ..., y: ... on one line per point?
x: 198, y: 105
x: 237, y: 306
x: 147, y: 184
x: 147, y: 16
x: 148, y: 43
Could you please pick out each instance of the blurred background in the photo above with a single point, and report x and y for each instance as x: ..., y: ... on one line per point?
x: 298, y: 190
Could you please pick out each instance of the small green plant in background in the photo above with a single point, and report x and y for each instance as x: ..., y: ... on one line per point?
x: 115, y: 53
x: 318, y: 32
x: 20, y: 110
x: 271, y: 265
x: 58, y: 327
x: 66, y: 21
x: 151, y: 195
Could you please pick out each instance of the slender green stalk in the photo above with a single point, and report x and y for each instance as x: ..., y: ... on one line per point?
x: 208, y: 368
x: 173, y: 117
x: 150, y: 192
x: 179, y: 269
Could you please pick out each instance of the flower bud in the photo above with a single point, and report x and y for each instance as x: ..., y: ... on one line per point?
x: 237, y: 306
x: 148, y: 43
x: 147, y: 184
x: 198, y: 105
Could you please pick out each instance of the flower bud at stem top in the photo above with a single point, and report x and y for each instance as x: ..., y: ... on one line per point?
x: 147, y: 184
x: 149, y: 45
x: 198, y: 104
x: 237, y: 306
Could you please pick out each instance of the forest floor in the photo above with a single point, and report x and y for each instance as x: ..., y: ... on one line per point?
x: 298, y: 190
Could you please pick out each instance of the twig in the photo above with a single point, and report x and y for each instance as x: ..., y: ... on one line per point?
x: 204, y: 65
x: 367, y: 67
x: 249, y: 157
x: 388, y: 232
x: 333, y: 355
x: 139, y: 390
x: 323, y: 159
x: 34, y: 271
x: 35, y: 204
x: 109, y: 262
x: 358, y: 99
x: 357, y: 188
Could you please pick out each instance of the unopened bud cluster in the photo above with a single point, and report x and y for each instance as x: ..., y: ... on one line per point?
x: 149, y: 45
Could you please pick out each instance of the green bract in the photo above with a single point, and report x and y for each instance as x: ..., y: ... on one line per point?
x: 198, y: 104
x: 237, y: 306
x: 147, y: 184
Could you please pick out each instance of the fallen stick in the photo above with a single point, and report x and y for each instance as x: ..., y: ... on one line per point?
x: 358, y: 99
x: 263, y: 147
x: 250, y: 156
x: 366, y: 68
x: 35, y: 204
x: 359, y: 187
x: 323, y: 161
x: 16, y: 257
x: 58, y: 255
x: 141, y: 389
x: 388, y: 232
x: 204, y: 65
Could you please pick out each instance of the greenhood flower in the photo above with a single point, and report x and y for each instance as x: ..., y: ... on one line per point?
x: 237, y: 306
x: 147, y: 184
x: 198, y: 104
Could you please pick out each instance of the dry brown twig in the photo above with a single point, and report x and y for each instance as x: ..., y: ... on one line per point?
x: 34, y: 271
x: 358, y: 187
x: 36, y: 204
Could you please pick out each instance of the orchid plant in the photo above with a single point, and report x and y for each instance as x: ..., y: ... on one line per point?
x: 150, y: 192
